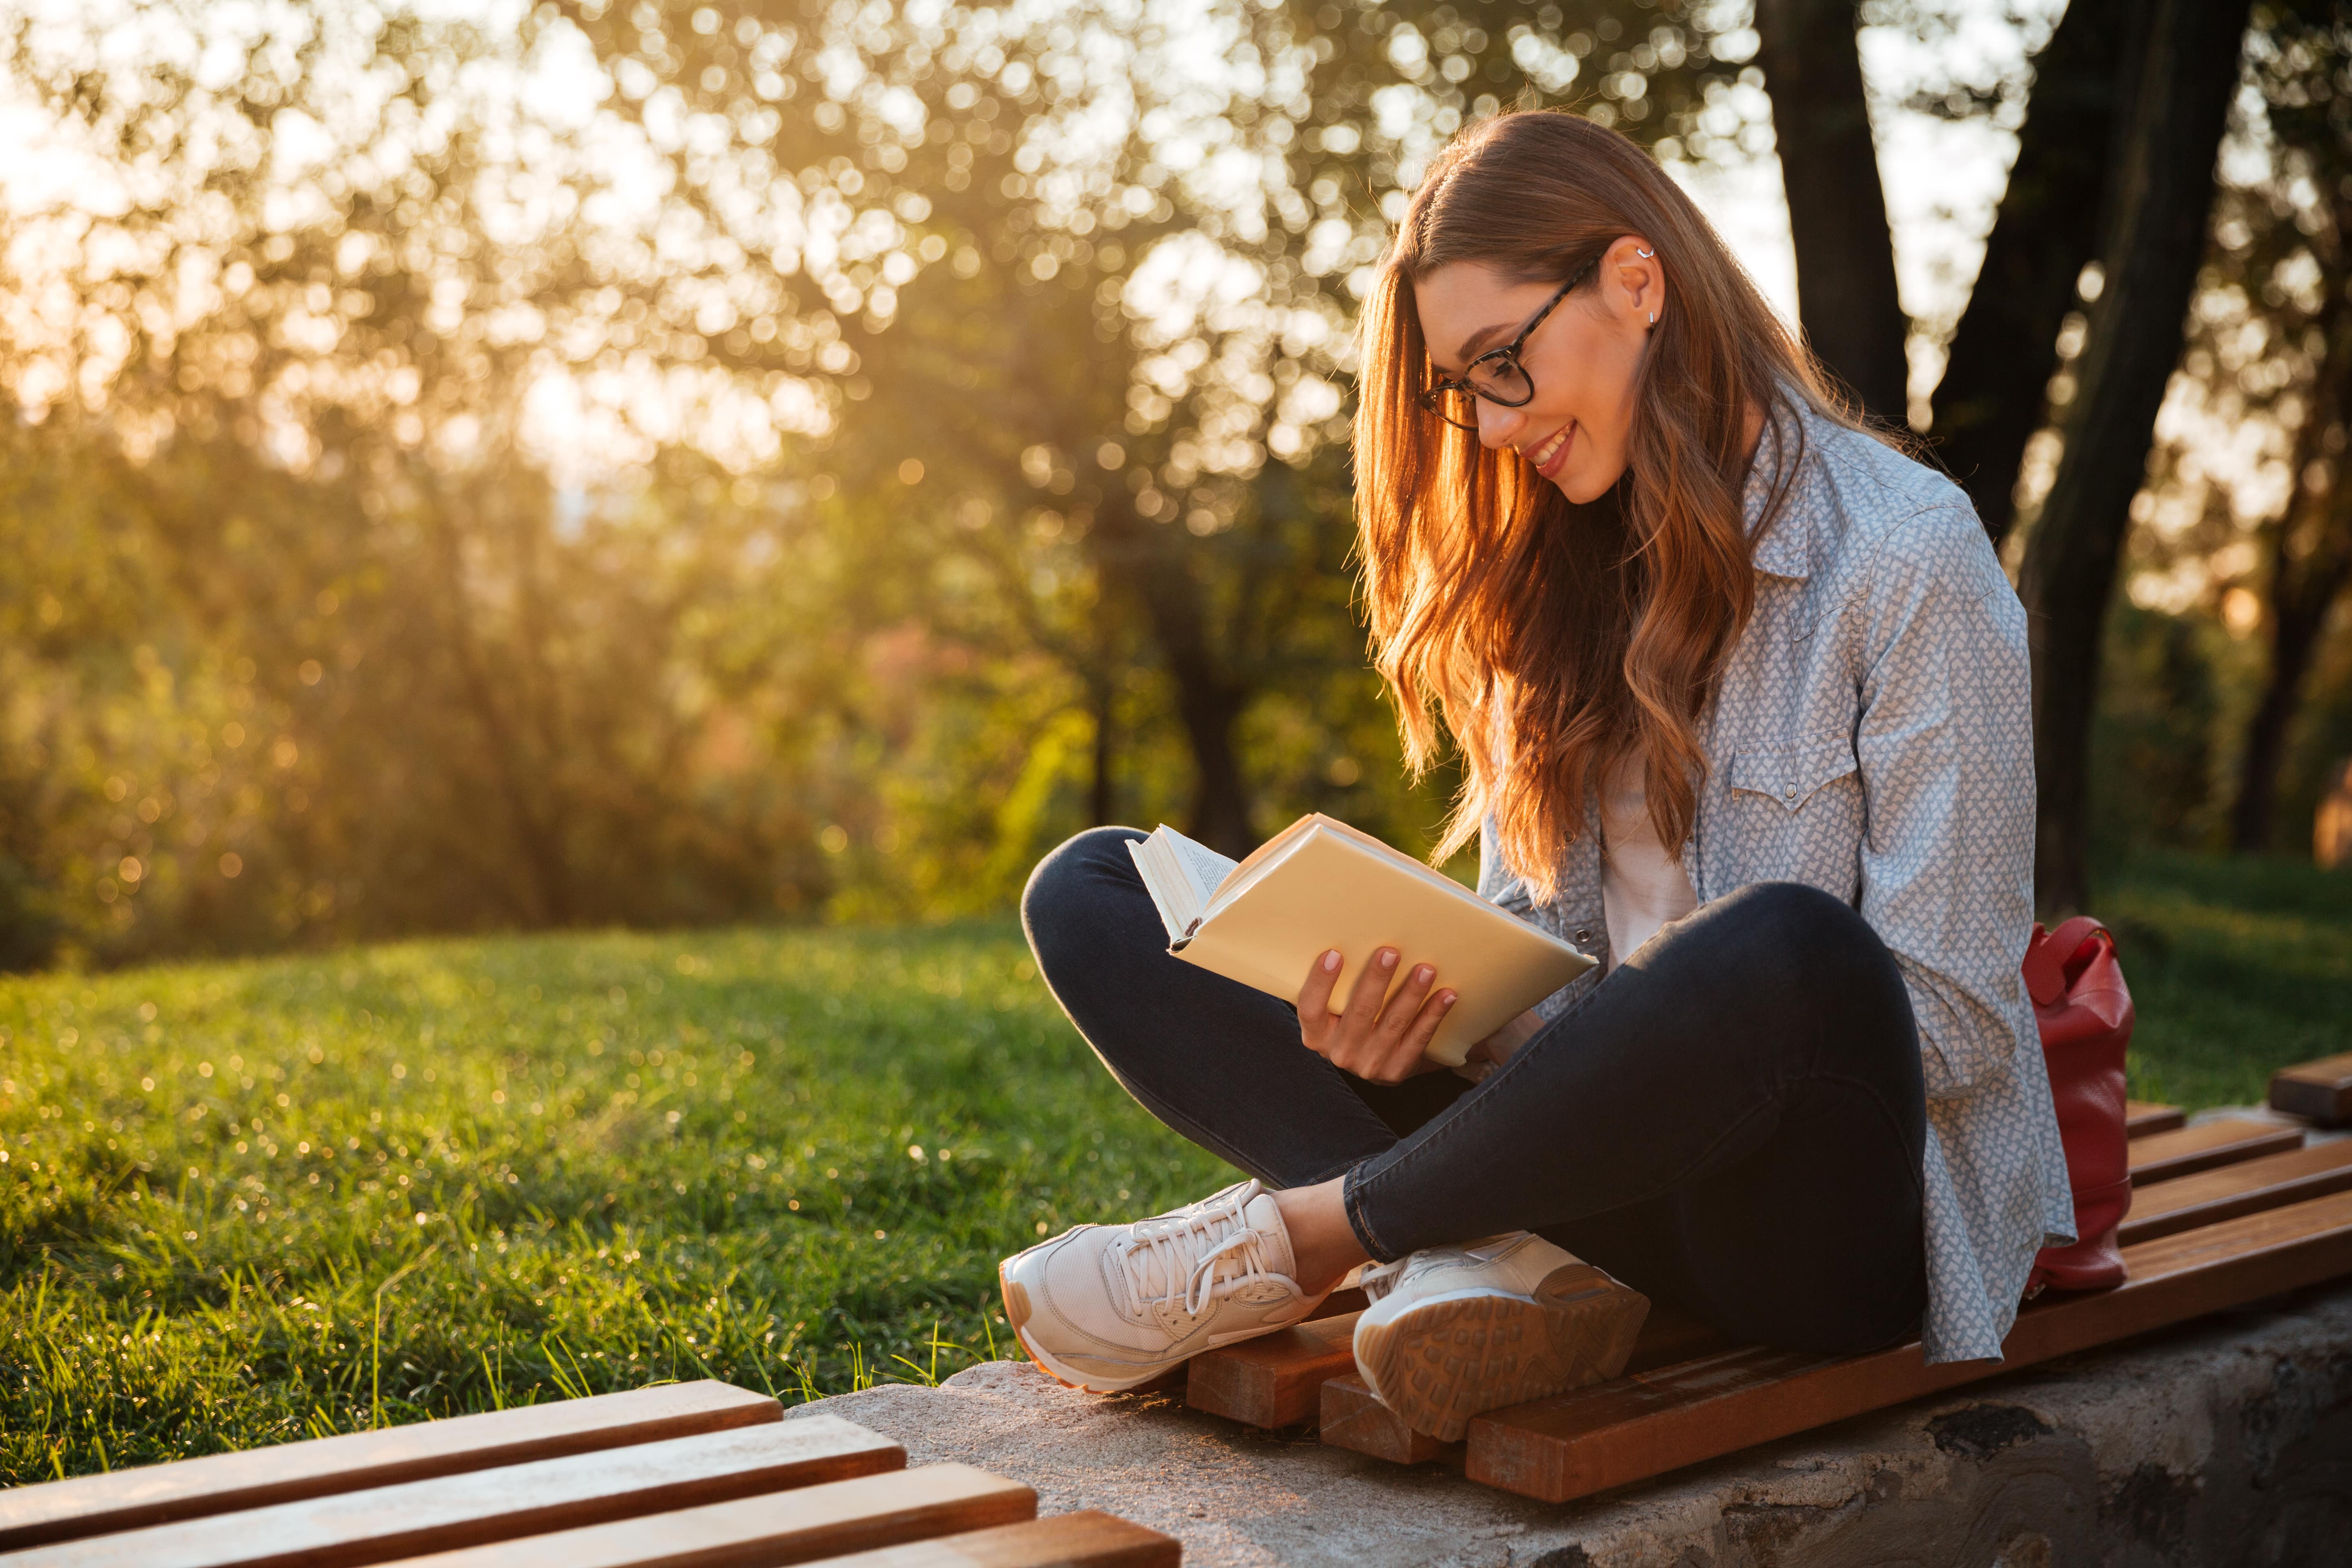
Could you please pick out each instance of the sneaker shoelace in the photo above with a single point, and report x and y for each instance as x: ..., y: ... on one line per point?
x: 1190, y: 1247
x: 1378, y: 1279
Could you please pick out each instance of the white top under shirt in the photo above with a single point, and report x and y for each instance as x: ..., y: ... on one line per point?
x: 1642, y: 885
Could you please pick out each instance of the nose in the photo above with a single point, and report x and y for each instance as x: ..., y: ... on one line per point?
x: 1498, y: 424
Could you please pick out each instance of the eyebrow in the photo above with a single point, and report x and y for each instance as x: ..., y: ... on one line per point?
x: 1477, y: 343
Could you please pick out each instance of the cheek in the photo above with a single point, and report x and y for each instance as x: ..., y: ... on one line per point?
x: 1598, y: 464
x: 1605, y: 425
x: 1590, y: 377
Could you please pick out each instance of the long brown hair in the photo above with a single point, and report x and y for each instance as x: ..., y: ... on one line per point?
x: 1555, y: 638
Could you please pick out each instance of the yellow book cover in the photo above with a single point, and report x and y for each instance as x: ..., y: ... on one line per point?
x: 1320, y: 884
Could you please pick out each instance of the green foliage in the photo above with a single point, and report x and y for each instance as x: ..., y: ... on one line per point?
x: 947, y: 453
x: 2154, y: 736
x: 248, y: 1203
x: 948, y: 450
x: 246, y: 713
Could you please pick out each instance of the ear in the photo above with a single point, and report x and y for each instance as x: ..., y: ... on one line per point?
x: 1633, y: 282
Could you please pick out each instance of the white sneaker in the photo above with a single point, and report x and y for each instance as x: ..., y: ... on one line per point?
x: 1109, y: 1306
x: 1454, y: 1331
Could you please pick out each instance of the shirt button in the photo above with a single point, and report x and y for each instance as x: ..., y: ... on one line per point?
x: 1583, y: 935
x: 1788, y: 792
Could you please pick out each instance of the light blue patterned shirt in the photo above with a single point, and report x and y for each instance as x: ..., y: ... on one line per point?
x: 1873, y: 737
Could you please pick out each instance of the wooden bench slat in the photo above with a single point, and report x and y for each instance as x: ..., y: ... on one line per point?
x: 1089, y: 1539
x: 2161, y: 1156
x: 1354, y: 1417
x: 1271, y: 1380
x: 1634, y: 1427
x: 449, y: 1511
x: 2225, y: 1193
x: 2321, y: 1090
x: 1344, y: 1303
x: 797, y: 1526
x: 2142, y: 1117
x: 286, y: 1472
x: 1669, y: 1336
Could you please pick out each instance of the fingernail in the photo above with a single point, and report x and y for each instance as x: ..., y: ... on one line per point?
x: 1331, y: 959
x: 1388, y: 959
x: 1445, y: 999
x: 1424, y: 974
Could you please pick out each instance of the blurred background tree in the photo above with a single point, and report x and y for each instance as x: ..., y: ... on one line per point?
x: 671, y: 463
x: 2283, y: 259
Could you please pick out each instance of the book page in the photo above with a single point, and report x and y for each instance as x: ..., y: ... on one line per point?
x: 1164, y: 881
x: 1203, y: 865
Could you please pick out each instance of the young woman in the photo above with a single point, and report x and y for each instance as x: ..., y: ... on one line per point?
x: 1742, y: 695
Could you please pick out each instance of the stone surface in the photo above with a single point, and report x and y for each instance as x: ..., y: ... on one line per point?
x: 2227, y: 1442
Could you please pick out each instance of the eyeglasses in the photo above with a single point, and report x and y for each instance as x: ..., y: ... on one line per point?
x: 1496, y: 375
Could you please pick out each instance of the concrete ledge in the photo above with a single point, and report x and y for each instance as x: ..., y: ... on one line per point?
x: 2229, y: 1442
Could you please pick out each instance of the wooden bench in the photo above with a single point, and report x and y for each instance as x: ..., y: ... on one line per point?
x: 700, y: 1473
x: 2223, y: 1214
x: 2320, y: 1091
x: 2160, y: 1156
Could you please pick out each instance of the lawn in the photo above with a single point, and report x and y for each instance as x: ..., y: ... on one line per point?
x: 243, y: 1202
x: 2237, y: 967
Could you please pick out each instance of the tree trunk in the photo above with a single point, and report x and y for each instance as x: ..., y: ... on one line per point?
x: 546, y: 896
x: 1837, y: 210
x: 2163, y: 192
x: 2310, y: 563
x: 1100, y: 694
x: 1208, y: 703
x: 1220, y: 815
x: 1991, y: 397
x: 2295, y: 638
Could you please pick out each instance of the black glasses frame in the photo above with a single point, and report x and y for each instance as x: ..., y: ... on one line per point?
x: 1503, y: 360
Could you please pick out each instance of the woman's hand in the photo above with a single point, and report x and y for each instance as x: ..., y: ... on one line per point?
x: 1382, y: 1045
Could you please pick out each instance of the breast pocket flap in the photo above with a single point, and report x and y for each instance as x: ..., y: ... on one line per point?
x: 1790, y: 773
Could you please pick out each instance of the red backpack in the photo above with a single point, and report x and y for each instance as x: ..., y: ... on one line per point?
x: 2085, y: 1011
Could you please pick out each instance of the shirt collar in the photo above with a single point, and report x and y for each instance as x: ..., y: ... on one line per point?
x: 1784, y: 541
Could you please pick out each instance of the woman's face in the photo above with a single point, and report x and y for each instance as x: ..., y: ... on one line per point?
x: 1581, y: 358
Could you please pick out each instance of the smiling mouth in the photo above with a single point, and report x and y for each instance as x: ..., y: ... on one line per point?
x: 1544, y: 453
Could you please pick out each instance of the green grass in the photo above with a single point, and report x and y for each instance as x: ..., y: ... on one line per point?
x: 248, y: 1203
x: 2237, y: 967
x: 253, y: 1201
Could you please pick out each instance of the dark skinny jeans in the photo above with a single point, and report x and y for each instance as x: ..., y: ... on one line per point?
x: 1732, y: 1122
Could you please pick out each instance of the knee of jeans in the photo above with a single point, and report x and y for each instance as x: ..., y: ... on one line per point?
x: 1059, y: 888
x: 1814, y: 938
x: 1799, y: 910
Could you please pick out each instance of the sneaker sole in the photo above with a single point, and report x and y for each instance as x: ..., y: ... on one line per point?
x: 1444, y: 1359
x: 1017, y: 1312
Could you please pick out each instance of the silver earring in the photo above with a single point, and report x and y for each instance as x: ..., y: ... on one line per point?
x: 1653, y: 318
x: 1645, y: 254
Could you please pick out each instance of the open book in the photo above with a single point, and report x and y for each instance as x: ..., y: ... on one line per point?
x: 1320, y: 884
